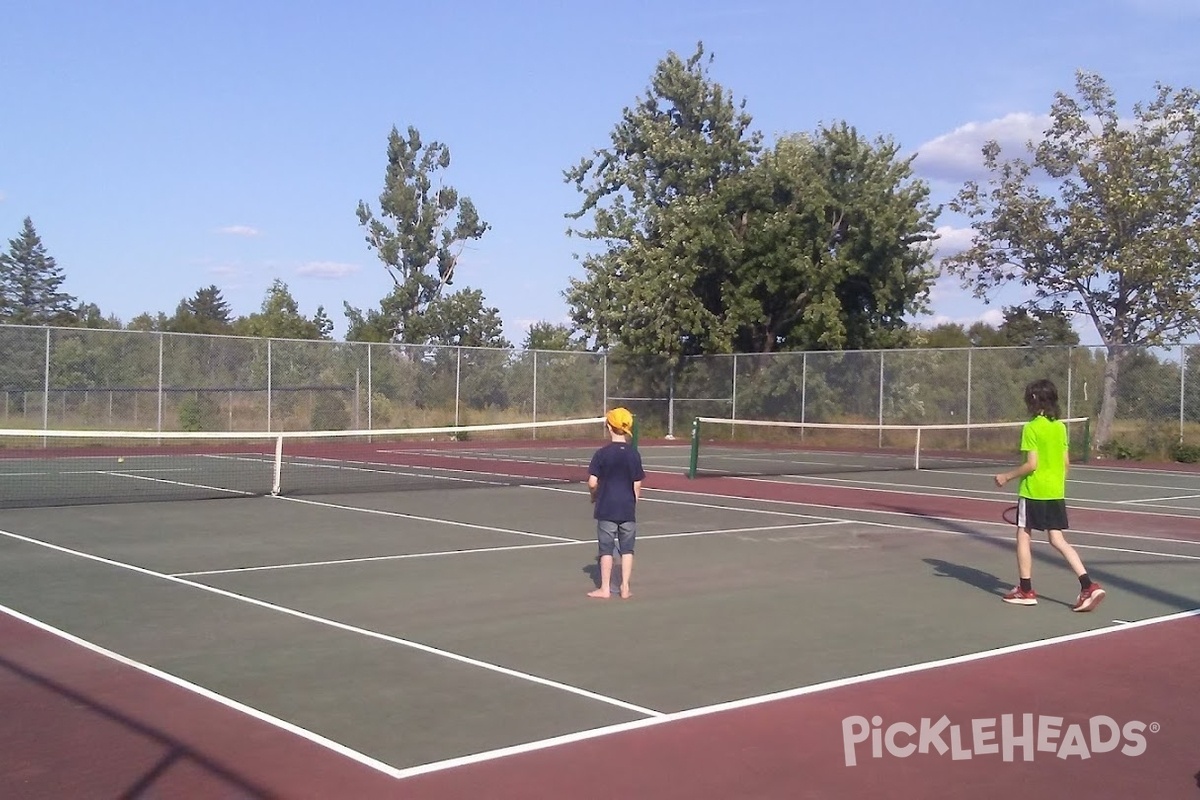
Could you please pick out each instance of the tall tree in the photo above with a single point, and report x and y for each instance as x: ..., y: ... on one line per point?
x: 830, y: 238
x: 1102, y: 219
x: 459, y: 319
x: 714, y: 245
x: 280, y: 318
x: 31, y: 283
x: 419, y: 233
x: 204, y: 312
x: 552, y: 336
x: 652, y: 196
x: 1038, y: 327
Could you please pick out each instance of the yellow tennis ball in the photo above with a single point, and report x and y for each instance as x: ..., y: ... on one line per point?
x: 121, y: 460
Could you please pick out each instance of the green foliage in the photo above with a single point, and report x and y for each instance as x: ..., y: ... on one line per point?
x: 204, y: 312
x: 458, y: 319
x: 1185, y: 453
x: 329, y: 413
x: 30, y: 283
x: 280, y: 318
x: 1102, y: 220
x: 552, y: 336
x: 715, y: 246
x: 199, y: 412
x: 419, y: 233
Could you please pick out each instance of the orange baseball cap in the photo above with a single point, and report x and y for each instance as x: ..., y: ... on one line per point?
x: 619, y: 419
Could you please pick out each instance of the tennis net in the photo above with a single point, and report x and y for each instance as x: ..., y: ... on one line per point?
x: 55, y: 468
x: 746, y: 448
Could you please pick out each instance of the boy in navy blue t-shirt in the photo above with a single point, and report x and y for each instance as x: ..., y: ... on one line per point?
x: 615, y: 481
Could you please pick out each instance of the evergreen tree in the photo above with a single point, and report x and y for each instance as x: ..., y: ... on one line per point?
x: 31, y: 282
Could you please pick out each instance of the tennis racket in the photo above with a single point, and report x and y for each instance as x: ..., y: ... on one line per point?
x: 1010, y: 515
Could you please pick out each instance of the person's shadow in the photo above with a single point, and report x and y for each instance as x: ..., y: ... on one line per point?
x: 985, y: 581
x: 592, y: 570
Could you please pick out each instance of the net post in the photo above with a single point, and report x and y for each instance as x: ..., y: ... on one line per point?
x: 917, y: 451
x: 695, y: 451
x: 1087, y: 440
x: 636, y: 434
x: 275, y: 483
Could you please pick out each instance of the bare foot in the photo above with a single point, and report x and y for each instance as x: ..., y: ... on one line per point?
x: 626, y: 593
x: 603, y: 594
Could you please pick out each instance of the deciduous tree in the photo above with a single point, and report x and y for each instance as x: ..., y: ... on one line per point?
x: 1102, y: 218
x: 419, y: 232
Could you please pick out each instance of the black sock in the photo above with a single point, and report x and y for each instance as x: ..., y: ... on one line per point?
x: 1026, y: 584
x: 1084, y: 581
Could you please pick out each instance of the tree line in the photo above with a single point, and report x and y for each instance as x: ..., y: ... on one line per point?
x: 703, y: 238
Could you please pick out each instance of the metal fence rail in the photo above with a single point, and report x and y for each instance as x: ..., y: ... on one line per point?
x: 78, y: 378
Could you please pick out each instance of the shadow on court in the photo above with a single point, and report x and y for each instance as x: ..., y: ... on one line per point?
x: 169, y: 765
x: 977, y: 578
x: 592, y: 570
x: 1050, y: 558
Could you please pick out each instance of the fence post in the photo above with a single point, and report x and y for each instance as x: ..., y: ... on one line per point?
x: 370, y: 391
x: 46, y: 388
x: 1070, y: 377
x: 671, y: 403
x: 46, y: 384
x: 457, y: 382
x: 161, y: 336
x: 803, y: 390
x: 1182, y: 384
x: 535, y: 355
x: 604, y: 400
x: 969, y: 392
x: 733, y: 411
x: 881, y: 398
x: 269, y: 376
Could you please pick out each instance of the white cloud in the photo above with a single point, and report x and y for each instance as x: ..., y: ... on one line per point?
x: 326, y: 270
x: 993, y: 317
x: 951, y: 241
x: 239, y: 230
x: 957, y: 156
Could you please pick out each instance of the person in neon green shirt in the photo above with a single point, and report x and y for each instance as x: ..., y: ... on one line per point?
x: 1042, y: 496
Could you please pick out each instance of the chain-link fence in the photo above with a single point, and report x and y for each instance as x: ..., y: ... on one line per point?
x: 87, y: 379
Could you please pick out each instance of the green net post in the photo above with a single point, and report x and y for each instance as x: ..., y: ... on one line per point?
x: 695, y: 455
x: 636, y: 434
x: 1087, y: 440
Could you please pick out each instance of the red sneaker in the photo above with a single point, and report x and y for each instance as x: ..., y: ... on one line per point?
x: 1020, y: 597
x: 1089, y: 598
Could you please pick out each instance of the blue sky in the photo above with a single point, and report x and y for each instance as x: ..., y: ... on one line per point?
x: 160, y: 147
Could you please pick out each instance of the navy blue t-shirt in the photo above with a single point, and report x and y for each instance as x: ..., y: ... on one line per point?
x: 617, y: 465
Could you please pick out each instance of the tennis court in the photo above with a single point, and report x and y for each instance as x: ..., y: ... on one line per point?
x: 358, y: 616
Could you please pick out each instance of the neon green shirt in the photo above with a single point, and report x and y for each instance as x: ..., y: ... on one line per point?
x: 1049, y: 439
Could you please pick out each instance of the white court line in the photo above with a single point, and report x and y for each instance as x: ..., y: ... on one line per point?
x: 877, y: 512
x: 369, y: 559
x: 424, y: 648
x: 868, y: 486
x: 924, y: 529
x: 1159, y: 499
x: 177, y: 483
x: 693, y: 504
x: 437, y: 520
x: 207, y: 694
x: 701, y: 711
x: 500, y: 549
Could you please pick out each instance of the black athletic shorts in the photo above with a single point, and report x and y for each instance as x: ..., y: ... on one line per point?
x: 1041, y: 515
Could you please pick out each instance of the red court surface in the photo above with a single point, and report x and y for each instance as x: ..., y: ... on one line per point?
x: 81, y: 724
